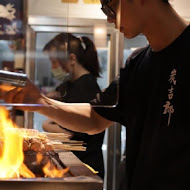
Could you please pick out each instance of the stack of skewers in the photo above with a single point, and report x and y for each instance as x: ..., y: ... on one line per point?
x: 61, y: 142
x: 33, y: 139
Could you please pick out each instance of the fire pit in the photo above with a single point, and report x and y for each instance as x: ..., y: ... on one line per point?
x: 28, y: 162
x: 81, y: 178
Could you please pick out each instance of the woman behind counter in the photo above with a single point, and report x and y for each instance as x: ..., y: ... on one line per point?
x: 75, y: 63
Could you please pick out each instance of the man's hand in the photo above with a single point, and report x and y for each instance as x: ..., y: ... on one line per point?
x: 29, y: 96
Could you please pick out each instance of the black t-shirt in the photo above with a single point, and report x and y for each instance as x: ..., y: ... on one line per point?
x: 154, y: 100
x: 83, y: 90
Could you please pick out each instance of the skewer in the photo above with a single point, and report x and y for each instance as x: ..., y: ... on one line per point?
x: 59, y: 141
x: 68, y: 147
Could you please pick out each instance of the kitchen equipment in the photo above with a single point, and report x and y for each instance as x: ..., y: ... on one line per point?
x: 13, y: 78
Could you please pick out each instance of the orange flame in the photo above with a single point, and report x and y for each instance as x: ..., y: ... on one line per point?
x: 11, y: 151
x: 11, y: 158
x: 53, y: 172
x: 39, y: 158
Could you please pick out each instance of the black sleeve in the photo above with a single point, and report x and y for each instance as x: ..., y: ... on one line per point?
x: 114, y: 94
x: 106, y: 102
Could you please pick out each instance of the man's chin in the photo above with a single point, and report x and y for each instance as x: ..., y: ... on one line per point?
x: 128, y: 35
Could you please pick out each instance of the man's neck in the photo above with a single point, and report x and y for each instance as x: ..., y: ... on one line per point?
x: 165, y: 29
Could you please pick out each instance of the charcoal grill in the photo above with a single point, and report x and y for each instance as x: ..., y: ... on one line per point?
x: 79, y: 178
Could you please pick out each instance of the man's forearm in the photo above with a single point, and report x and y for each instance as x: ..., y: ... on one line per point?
x: 77, y: 117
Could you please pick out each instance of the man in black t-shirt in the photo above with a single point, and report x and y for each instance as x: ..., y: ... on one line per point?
x: 153, y: 105
x: 154, y: 96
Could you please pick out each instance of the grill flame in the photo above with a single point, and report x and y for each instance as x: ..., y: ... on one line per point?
x: 11, y: 158
x: 11, y: 152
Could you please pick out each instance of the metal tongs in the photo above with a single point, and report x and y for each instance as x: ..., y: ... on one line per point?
x: 13, y: 78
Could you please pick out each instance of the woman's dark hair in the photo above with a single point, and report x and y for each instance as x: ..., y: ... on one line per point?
x: 165, y: 1
x: 82, y: 47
